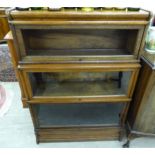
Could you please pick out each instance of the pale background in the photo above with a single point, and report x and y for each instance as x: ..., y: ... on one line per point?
x: 146, y: 4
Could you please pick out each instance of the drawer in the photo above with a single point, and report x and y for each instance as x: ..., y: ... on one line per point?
x: 77, y: 43
x: 78, y: 134
x: 79, y: 82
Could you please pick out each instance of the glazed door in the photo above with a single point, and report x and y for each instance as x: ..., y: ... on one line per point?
x: 80, y: 82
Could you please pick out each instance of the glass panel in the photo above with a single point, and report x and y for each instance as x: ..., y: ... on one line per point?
x: 77, y: 42
x: 79, y: 83
x: 78, y: 114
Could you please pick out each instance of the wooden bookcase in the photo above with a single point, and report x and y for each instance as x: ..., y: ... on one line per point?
x: 78, y: 70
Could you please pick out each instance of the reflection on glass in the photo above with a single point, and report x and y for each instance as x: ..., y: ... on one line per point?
x: 78, y: 114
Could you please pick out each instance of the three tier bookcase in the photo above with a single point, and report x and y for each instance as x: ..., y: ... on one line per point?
x: 77, y: 70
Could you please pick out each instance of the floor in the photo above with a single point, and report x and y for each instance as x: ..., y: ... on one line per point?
x: 16, y: 129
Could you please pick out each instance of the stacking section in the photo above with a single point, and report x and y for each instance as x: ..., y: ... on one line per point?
x: 79, y: 82
x: 76, y: 44
x: 75, y: 37
x: 78, y: 70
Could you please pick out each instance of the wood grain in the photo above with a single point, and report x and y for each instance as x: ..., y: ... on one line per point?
x: 4, y: 26
x: 78, y: 134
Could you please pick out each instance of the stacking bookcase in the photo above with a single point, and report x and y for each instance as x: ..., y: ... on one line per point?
x: 77, y: 70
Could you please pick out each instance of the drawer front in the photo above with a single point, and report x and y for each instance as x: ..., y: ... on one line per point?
x: 80, y: 83
x: 78, y: 134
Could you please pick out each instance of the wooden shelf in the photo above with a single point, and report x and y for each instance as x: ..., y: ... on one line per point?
x: 80, y: 52
x: 78, y: 56
x: 79, y: 89
x: 78, y: 59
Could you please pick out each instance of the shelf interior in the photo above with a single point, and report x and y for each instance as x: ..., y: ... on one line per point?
x: 79, y: 83
x: 79, y: 42
x: 82, y: 114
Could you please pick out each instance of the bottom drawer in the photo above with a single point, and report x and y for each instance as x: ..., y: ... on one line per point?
x: 78, y: 134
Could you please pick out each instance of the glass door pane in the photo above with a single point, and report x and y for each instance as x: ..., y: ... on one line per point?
x: 79, y: 83
x: 83, y: 114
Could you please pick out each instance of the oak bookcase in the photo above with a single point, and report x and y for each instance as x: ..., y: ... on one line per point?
x: 77, y: 70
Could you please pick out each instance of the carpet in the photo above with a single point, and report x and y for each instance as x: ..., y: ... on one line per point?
x: 7, y: 73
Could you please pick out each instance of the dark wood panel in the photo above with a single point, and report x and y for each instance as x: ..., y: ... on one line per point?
x: 139, y: 92
x: 142, y: 112
x: 76, y: 38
